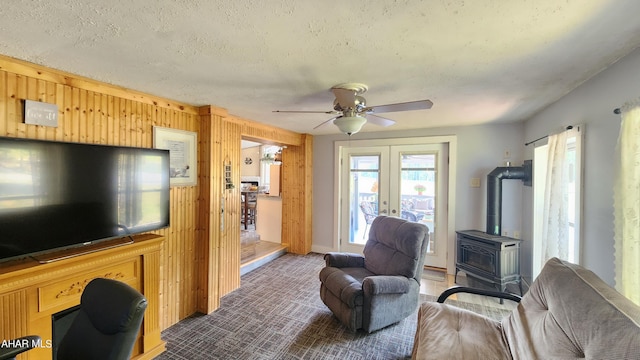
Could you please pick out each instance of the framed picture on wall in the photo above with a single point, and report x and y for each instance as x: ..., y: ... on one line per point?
x: 183, y: 161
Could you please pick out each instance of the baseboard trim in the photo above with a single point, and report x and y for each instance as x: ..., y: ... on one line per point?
x: 321, y: 249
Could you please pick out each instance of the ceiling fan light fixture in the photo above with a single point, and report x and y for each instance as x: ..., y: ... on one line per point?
x: 351, y: 109
x: 350, y: 124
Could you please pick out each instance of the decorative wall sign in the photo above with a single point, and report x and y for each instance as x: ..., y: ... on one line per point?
x: 40, y: 113
x: 183, y: 161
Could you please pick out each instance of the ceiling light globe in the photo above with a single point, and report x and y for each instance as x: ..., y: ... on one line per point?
x: 350, y: 124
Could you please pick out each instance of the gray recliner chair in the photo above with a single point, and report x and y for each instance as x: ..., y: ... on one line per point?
x: 107, y: 324
x: 382, y: 287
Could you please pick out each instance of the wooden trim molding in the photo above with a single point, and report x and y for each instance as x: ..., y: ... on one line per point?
x: 267, y: 134
x: 38, y: 72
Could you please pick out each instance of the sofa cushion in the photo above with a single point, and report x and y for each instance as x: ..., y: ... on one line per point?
x: 392, y: 248
x: 571, y: 313
x: 448, y: 332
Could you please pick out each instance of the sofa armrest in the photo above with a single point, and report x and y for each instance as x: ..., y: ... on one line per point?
x: 386, y: 284
x: 342, y: 260
x: 497, y: 294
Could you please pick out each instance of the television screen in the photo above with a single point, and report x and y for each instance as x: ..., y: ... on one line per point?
x: 55, y: 195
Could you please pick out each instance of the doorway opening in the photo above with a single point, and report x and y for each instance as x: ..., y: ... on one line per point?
x: 260, y: 204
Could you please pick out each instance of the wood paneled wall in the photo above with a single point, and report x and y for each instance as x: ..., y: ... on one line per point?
x: 92, y: 112
x: 297, y: 173
x: 219, y: 243
x: 208, y: 296
x: 200, y: 259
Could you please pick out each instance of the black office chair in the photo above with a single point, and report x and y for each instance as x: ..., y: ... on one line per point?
x: 18, y: 346
x: 107, y: 324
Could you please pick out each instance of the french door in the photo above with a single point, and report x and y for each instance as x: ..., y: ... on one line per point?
x: 408, y: 181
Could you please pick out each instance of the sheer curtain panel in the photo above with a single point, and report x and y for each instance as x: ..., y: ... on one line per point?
x: 555, y: 226
x: 626, y: 204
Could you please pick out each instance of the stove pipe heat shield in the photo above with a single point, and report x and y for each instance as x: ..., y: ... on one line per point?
x: 494, y: 192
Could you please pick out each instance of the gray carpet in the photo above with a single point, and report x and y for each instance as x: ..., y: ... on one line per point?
x: 277, y: 314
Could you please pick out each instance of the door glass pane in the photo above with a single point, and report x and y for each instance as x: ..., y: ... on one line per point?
x: 364, y: 176
x: 418, y: 191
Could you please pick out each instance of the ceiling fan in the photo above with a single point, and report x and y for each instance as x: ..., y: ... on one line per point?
x: 352, y: 111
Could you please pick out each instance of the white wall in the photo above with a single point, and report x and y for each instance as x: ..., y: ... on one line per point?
x: 252, y: 169
x: 591, y: 104
x: 480, y: 150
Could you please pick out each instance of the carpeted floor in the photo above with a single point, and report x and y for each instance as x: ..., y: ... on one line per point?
x: 277, y: 314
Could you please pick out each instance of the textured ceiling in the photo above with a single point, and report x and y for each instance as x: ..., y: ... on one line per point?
x: 479, y: 61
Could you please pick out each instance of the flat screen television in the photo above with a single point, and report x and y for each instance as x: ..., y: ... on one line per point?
x: 56, y: 195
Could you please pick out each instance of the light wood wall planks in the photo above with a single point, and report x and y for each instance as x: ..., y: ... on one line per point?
x: 208, y: 295
x: 200, y: 258
x: 229, y: 267
x: 96, y: 113
x: 297, y: 196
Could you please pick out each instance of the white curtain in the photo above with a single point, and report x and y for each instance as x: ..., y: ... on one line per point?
x: 626, y: 204
x: 555, y: 222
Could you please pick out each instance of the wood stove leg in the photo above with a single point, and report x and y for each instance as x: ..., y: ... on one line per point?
x: 502, y: 288
x: 520, y: 286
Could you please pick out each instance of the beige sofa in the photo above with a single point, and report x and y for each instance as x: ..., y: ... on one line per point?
x: 568, y: 313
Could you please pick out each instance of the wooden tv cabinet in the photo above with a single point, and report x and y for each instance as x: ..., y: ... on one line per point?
x: 31, y: 292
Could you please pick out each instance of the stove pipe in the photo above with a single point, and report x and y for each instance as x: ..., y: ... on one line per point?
x: 494, y: 193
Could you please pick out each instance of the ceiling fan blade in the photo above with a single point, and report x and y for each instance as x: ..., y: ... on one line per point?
x: 407, y: 106
x: 307, y: 112
x: 379, y: 120
x: 345, y: 97
x: 326, y: 122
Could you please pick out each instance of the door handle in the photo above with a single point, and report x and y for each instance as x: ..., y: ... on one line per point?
x: 393, y: 211
x: 384, y: 211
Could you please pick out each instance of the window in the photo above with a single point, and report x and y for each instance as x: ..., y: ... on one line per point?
x: 268, y: 158
x: 557, y: 199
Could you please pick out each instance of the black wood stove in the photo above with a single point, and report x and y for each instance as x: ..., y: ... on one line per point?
x: 492, y: 259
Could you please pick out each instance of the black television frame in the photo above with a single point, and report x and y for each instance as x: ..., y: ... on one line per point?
x: 123, y: 166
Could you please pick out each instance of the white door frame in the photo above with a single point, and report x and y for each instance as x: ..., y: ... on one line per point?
x: 450, y: 140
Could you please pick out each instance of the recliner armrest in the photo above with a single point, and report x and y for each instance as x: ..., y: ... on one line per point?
x: 497, y: 294
x: 386, y: 284
x: 342, y: 260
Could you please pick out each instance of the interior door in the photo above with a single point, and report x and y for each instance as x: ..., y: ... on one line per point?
x: 408, y: 181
